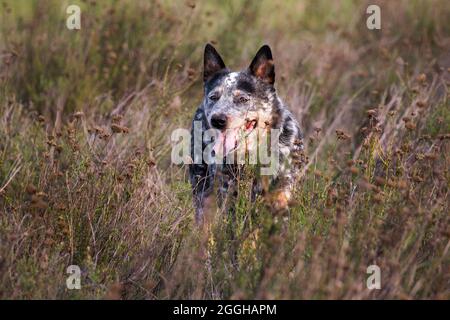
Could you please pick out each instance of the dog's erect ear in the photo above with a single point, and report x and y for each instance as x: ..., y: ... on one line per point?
x: 212, y: 63
x: 262, y: 65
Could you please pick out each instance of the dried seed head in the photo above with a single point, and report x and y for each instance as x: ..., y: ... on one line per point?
x: 98, y: 130
x: 371, y: 113
x: 410, y: 126
x: 117, y: 118
x: 421, y: 104
x: 190, y: 4
x: 422, y: 77
x: 402, y: 184
x: 431, y: 156
x: 151, y: 162
x: 60, y: 206
x: 114, y: 292
x: 405, y: 211
x: 119, y: 129
x: 379, y: 181
x: 191, y: 72
x: 341, y: 135
x: 31, y: 189
x: 354, y: 170
x: 391, y: 183
x: 378, y: 198
x: 365, y: 185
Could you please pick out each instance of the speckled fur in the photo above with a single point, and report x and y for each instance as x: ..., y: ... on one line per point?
x: 240, y: 95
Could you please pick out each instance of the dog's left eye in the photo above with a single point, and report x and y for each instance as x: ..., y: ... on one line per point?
x: 214, y: 97
x: 242, y: 99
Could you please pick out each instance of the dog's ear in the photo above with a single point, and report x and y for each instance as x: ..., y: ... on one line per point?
x: 212, y: 63
x: 262, y: 65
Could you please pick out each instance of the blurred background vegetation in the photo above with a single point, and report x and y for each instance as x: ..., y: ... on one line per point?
x: 85, y: 176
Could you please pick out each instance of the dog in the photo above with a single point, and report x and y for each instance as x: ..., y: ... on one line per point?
x: 236, y: 104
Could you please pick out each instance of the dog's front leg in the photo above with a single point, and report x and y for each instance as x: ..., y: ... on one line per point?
x: 281, y: 195
x: 227, y: 185
x: 202, y: 181
x: 288, y: 175
x: 201, y: 170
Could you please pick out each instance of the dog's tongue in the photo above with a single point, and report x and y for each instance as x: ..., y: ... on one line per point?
x: 225, y: 142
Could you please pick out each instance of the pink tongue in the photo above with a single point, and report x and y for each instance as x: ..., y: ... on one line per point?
x: 225, y: 143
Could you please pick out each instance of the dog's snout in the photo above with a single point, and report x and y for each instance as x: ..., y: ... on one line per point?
x: 219, y: 121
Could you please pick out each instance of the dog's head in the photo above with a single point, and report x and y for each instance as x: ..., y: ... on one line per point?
x: 238, y: 103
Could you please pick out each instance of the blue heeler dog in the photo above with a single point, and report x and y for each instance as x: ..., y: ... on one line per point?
x: 235, y: 104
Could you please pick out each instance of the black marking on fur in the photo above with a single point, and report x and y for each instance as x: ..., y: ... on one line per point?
x: 245, y: 85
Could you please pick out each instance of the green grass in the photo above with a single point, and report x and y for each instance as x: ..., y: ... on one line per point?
x: 75, y: 192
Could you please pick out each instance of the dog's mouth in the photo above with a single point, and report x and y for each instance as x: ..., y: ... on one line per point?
x: 232, y: 138
x: 250, y: 125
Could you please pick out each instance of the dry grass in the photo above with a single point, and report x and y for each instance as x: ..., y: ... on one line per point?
x: 85, y: 173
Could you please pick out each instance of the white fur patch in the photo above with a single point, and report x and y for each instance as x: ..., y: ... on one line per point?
x: 231, y: 79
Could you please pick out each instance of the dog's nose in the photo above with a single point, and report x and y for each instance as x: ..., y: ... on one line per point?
x: 219, y: 121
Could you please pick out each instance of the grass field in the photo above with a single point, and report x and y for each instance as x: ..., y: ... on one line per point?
x: 85, y: 173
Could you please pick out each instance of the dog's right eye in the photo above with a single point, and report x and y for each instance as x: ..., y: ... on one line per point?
x: 214, y: 97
